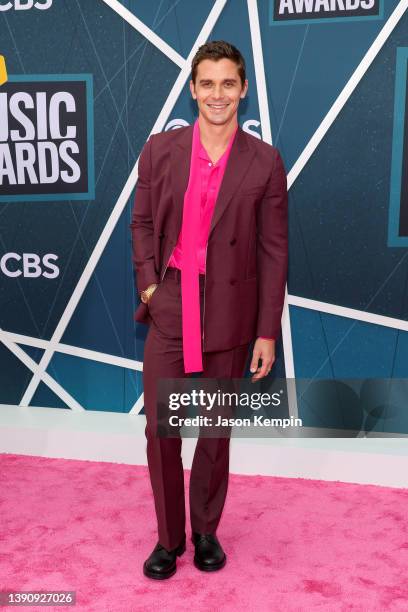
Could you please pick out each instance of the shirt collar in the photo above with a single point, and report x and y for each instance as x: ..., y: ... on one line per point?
x: 203, y: 153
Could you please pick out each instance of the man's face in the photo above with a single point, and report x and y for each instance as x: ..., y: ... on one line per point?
x: 218, y: 90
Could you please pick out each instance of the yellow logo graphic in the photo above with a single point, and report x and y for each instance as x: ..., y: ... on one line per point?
x: 3, y: 71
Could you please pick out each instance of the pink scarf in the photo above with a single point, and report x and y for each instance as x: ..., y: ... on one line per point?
x: 190, y: 290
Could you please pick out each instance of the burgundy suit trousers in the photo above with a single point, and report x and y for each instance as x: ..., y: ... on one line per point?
x: 163, y: 358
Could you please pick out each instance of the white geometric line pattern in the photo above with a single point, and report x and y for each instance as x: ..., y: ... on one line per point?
x: 146, y: 32
x: 257, y: 54
x: 349, y: 313
x: 138, y: 405
x: 53, y: 345
x: 74, y: 351
x: 46, y: 378
x: 346, y: 92
x: 260, y: 79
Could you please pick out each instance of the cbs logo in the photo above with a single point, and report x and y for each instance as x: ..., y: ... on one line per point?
x: 29, y: 265
x: 24, y: 5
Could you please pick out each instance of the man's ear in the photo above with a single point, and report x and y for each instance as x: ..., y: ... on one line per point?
x: 192, y: 90
x: 244, y: 89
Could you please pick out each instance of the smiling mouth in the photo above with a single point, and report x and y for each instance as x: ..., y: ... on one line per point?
x: 217, y: 106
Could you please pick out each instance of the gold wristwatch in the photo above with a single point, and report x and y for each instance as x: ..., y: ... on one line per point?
x: 146, y: 294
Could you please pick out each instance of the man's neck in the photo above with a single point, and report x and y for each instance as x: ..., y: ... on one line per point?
x: 216, y: 137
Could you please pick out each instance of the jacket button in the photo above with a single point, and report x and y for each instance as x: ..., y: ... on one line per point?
x: 161, y: 235
x: 233, y: 241
x: 232, y: 281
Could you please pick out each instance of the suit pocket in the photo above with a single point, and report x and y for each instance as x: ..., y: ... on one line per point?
x: 153, y: 297
x: 141, y: 314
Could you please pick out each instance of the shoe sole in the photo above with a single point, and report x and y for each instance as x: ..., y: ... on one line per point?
x: 210, y: 568
x: 162, y: 575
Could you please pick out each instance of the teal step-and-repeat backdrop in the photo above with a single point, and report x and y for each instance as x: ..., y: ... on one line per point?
x: 85, y: 86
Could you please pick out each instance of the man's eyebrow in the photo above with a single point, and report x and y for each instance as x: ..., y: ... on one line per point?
x: 231, y: 80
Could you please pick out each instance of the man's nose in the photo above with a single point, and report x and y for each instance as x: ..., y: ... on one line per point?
x: 218, y: 91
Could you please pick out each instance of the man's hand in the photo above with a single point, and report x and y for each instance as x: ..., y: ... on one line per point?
x: 263, y: 349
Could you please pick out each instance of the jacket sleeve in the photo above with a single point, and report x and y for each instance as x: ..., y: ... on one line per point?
x: 272, y: 251
x: 142, y: 224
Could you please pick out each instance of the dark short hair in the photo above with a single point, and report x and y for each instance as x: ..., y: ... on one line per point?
x: 216, y: 50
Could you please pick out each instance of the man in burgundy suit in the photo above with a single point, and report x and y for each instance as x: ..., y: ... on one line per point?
x: 209, y: 234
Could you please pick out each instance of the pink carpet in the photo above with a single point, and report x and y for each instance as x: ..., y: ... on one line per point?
x: 292, y: 544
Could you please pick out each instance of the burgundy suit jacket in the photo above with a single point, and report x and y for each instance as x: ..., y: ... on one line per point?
x: 247, y: 251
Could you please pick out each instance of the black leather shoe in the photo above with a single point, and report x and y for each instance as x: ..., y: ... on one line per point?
x: 209, y: 555
x: 162, y: 562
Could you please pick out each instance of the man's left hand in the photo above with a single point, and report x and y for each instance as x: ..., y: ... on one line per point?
x: 264, y: 349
